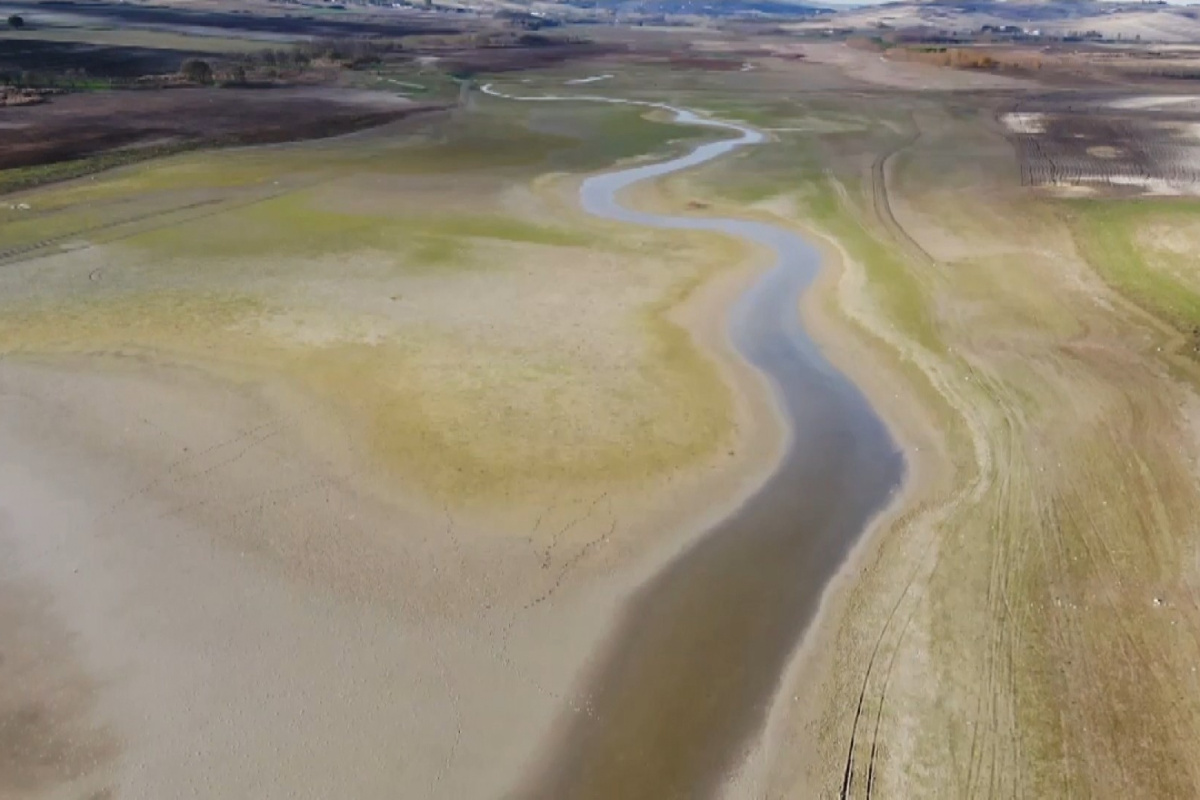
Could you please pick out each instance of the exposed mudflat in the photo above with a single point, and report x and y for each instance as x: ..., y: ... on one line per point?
x: 691, y: 670
x: 327, y: 500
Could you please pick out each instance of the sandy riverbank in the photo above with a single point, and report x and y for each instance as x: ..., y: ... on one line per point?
x: 840, y: 317
x: 492, y: 621
x: 856, y: 337
x: 240, y: 609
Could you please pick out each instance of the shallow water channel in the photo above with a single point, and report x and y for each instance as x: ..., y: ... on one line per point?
x: 686, y: 678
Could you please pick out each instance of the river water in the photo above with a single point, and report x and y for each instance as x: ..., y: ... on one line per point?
x: 685, y: 680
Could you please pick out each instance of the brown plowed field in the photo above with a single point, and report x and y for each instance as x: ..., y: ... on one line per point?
x: 1125, y: 146
x: 81, y: 125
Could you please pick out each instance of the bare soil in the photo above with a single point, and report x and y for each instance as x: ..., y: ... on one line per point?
x: 516, y: 57
x: 231, y: 21
x: 1118, y: 145
x: 81, y: 125
x: 96, y: 61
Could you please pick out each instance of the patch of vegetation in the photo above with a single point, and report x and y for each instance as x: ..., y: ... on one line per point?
x: 601, y: 135
x: 765, y: 172
x: 294, y: 225
x: 349, y: 52
x: 1105, y: 232
x: 434, y: 409
x: 901, y: 297
x: 403, y: 158
x: 508, y: 229
x: 764, y: 114
x: 689, y: 373
x: 627, y: 132
x: 197, y: 70
x: 144, y: 321
x: 240, y: 168
x: 13, y: 180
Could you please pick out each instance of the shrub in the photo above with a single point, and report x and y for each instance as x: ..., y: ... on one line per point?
x: 196, y: 71
x: 16, y: 21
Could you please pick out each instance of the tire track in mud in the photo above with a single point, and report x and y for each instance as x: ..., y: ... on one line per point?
x: 167, y: 218
x: 882, y: 207
x: 34, y: 249
x: 931, y: 518
x: 1054, y: 583
x: 882, y: 203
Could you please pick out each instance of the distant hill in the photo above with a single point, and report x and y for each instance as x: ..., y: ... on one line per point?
x: 1147, y: 22
x: 707, y: 8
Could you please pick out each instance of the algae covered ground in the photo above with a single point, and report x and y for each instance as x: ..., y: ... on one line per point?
x: 430, y: 279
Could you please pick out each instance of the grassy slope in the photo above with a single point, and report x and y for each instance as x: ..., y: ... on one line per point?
x: 1107, y: 235
x: 1016, y: 646
x: 1056, y: 561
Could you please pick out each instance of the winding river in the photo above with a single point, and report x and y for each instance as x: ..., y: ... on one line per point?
x: 687, y: 677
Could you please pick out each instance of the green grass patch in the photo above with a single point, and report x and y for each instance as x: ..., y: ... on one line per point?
x: 585, y: 136
x: 15, y: 180
x: 296, y: 225
x: 626, y: 132
x: 899, y: 294
x: 424, y: 85
x: 506, y: 229
x: 763, y: 114
x: 474, y: 147
x: 1105, y: 231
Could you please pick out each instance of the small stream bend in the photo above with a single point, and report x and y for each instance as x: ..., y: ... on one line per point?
x: 687, y: 676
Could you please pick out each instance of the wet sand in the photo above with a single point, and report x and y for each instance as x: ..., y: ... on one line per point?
x: 687, y: 677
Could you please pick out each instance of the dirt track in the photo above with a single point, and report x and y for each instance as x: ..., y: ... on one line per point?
x: 1033, y: 593
x: 1027, y: 626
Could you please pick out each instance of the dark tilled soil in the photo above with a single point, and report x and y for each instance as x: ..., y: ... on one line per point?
x: 1086, y: 140
x: 287, y: 24
x: 82, y: 125
x: 97, y: 61
x: 509, y: 59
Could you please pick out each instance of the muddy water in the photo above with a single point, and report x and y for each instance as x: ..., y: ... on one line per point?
x: 686, y: 678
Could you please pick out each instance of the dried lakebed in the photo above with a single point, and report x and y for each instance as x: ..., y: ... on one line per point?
x: 685, y: 680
